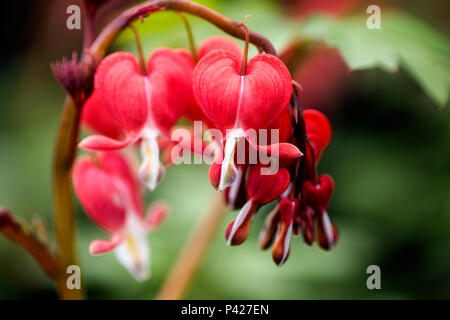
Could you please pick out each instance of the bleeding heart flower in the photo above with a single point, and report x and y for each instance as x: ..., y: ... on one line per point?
x: 317, y: 196
x: 143, y: 106
x: 261, y: 189
x: 110, y: 194
x: 236, y: 102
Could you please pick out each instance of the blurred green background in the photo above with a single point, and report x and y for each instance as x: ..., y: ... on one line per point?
x: 389, y: 155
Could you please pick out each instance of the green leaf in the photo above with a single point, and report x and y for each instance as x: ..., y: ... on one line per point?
x: 403, y: 41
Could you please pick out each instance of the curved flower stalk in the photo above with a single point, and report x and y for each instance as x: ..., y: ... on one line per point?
x: 110, y: 194
x: 143, y: 104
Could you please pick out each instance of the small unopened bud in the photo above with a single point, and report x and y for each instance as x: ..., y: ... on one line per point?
x: 76, y: 77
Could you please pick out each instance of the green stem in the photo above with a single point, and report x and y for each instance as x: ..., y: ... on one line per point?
x: 63, y: 158
x: 192, y: 46
x: 142, y: 64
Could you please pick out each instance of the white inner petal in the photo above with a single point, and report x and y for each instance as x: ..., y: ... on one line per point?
x: 228, y: 171
x: 287, y: 241
x: 239, y: 220
x: 151, y: 167
x: 134, y: 252
x: 328, y: 228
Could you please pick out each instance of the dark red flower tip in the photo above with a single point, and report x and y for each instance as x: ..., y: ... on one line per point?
x: 238, y: 229
x: 267, y: 235
x: 318, y: 195
x: 281, y: 247
x: 264, y: 186
x: 327, y: 233
x: 236, y: 194
x: 306, y: 224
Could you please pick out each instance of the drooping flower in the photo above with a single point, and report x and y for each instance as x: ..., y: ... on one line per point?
x: 317, y: 196
x: 111, y: 195
x: 237, y: 103
x: 143, y: 106
x: 303, y: 210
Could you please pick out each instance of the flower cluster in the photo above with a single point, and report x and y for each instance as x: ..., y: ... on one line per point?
x: 240, y: 99
x: 137, y: 104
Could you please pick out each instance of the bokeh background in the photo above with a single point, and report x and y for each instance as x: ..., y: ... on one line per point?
x: 389, y: 155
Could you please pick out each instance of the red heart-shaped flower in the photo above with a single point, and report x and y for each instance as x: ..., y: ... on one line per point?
x: 231, y: 100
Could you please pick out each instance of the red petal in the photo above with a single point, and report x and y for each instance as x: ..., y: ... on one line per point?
x: 252, y: 101
x: 101, y: 246
x: 99, y: 195
x: 214, y: 174
x: 97, y: 118
x: 104, y: 143
x: 123, y: 90
x: 318, y: 195
x: 318, y: 130
x: 216, y: 84
x: 171, y: 85
x: 267, y: 89
x: 284, y: 126
x: 116, y: 165
x: 266, y: 188
x: 285, y: 151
